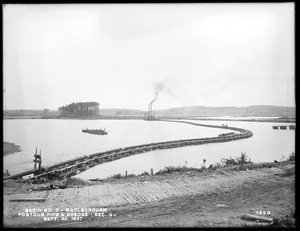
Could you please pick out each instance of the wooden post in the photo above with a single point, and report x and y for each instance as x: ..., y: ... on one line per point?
x: 126, y: 173
x: 38, y: 159
x: 40, y: 162
x: 35, y: 156
x: 151, y: 170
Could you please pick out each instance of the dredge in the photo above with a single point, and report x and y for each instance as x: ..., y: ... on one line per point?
x: 150, y: 115
x: 74, y: 166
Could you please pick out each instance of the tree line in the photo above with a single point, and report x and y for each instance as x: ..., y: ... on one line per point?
x: 80, y: 109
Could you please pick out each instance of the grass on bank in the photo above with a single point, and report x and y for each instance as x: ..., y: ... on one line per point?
x: 240, y: 163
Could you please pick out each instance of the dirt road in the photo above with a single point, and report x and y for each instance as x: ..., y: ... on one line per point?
x: 192, y: 199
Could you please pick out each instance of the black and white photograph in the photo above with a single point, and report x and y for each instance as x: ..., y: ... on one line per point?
x: 149, y: 115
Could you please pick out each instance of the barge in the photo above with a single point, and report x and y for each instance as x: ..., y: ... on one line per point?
x: 95, y: 131
x: 292, y: 127
x: 283, y: 127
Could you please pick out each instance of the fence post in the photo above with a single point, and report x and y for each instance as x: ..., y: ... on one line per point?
x: 151, y: 170
x: 126, y: 173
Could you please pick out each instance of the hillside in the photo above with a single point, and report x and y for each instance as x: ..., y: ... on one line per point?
x: 120, y: 112
x: 182, y: 112
x: 30, y: 113
x: 201, y: 111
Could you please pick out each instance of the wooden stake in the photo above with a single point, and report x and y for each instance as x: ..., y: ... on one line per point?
x: 28, y: 199
x: 255, y: 217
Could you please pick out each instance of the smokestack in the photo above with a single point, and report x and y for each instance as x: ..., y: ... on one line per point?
x: 158, y: 87
x: 150, y: 112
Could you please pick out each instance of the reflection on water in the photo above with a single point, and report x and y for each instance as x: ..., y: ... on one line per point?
x: 265, y: 145
x: 62, y: 140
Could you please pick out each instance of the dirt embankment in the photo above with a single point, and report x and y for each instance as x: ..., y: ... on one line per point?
x: 10, y: 148
x: 190, y: 199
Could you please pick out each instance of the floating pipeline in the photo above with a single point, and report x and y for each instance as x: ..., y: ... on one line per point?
x: 74, y: 166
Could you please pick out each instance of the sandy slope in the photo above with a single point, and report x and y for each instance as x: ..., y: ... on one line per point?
x: 189, y: 199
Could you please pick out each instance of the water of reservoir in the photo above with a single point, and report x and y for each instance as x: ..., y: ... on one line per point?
x: 62, y: 140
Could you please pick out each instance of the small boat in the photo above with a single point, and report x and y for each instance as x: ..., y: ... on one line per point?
x: 95, y: 131
x: 292, y: 127
x: 283, y: 127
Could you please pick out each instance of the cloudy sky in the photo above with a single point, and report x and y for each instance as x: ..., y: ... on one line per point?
x: 122, y: 55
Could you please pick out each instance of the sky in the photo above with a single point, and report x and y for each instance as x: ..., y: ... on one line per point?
x: 126, y: 55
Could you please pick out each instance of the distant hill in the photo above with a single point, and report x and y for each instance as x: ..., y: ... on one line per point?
x: 107, y: 113
x: 181, y: 112
x: 121, y: 112
x: 30, y: 113
x: 202, y: 111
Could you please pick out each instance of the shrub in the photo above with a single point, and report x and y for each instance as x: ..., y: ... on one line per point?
x: 243, y: 159
x: 292, y: 157
x: 201, y: 169
x: 171, y: 169
x: 218, y: 165
x: 242, y: 168
x: 145, y: 174
x: 211, y: 167
x: 288, y: 221
x: 117, y: 176
x: 230, y: 161
x: 131, y: 175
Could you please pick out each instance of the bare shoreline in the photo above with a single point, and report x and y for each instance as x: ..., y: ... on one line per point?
x: 10, y: 148
x: 189, y: 199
